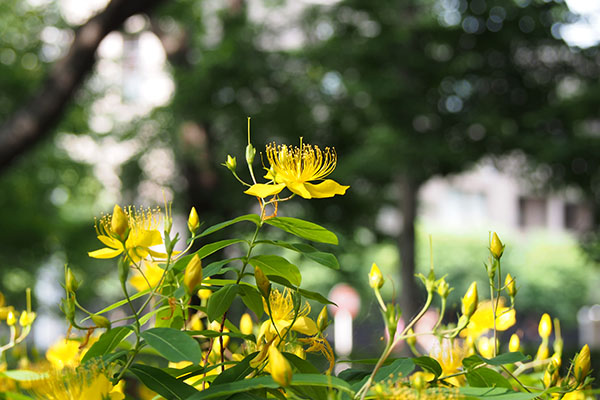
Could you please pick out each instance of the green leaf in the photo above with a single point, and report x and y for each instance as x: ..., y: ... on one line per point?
x: 278, y: 266
x: 306, y: 293
x: 24, y: 375
x: 14, y: 396
x: 304, y: 229
x: 428, y: 364
x: 400, y: 366
x: 249, y: 217
x: 495, y: 393
x: 204, y: 252
x: 266, y: 382
x: 210, y: 333
x: 323, y: 258
x: 237, y: 373
x: 472, y: 361
x: 486, y: 377
x: 506, y: 358
x: 214, y: 268
x: 162, y: 383
x: 252, y: 299
x: 107, y: 342
x: 173, y: 344
x: 300, y: 364
x: 220, y: 301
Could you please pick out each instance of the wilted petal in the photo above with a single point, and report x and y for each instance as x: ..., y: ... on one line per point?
x: 263, y: 190
x: 327, y: 188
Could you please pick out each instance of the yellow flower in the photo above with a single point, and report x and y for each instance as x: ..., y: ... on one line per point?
x: 64, y: 353
x: 450, y: 354
x: 581, y: 364
x: 282, y: 314
x: 143, y: 234
x: 153, y: 274
x: 483, y: 319
x: 485, y: 346
x: 246, y: 324
x: 89, y: 384
x: 295, y: 167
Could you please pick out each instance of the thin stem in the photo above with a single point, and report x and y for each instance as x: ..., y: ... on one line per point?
x: 442, y: 312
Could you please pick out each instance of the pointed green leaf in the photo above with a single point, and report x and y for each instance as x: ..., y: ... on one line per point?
x: 323, y: 258
x: 107, y: 342
x: 173, y: 344
x: 278, y: 266
x: 162, y: 383
x: 220, y: 301
x: 204, y: 252
x: 304, y: 229
x: 486, y: 377
x: 429, y: 364
x: 252, y: 299
x: 250, y: 217
x: 506, y: 358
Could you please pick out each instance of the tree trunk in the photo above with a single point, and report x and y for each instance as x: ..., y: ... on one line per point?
x: 410, y: 294
x: 35, y: 119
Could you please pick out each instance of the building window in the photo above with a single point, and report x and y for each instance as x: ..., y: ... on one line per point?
x: 578, y: 217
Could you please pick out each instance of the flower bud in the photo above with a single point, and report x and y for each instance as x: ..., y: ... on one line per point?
x: 551, y: 374
x: 515, y: 343
x: 497, y: 248
x: 281, y: 371
x: 581, y: 364
x: 193, y: 274
x: 11, y: 319
x: 262, y: 282
x: 250, y: 153
x: 545, y: 326
x: 418, y: 380
x: 375, y: 277
x: 71, y: 283
x: 322, y: 319
x: 193, y: 220
x: 443, y: 288
x: 542, y: 352
x: 119, y: 221
x: 411, y: 339
x: 100, y: 321
x: 246, y: 324
x: 231, y: 163
x: 27, y: 318
x: 469, y: 301
x: 511, y: 285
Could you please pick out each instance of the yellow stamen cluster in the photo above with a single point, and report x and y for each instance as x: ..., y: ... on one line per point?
x: 300, y: 164
x: 144, y: 219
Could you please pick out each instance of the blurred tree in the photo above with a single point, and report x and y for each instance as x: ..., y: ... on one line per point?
x: 415, y: 89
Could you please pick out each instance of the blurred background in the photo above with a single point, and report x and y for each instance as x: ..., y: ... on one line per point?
x: 451, y: 118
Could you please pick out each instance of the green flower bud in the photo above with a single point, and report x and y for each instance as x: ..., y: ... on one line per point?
x: 262, y: 282
x: 231, y: 163
x: 100, y: 321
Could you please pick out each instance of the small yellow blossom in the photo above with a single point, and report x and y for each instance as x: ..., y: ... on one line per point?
x: 88, y: 384
x: 375, y: 277
x: 295, y: 167
x: 193, y: 274
x: 515, y: 343
x: 581, y: 364
x: 282, y: 309
x: 450, y: 354
x: 246, y: 324
x: 482, y: 319
x: 64, y: 353
x: 143, y: 234
x: 469, y: 301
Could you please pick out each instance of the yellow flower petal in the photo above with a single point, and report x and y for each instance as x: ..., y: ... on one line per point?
x: 110, y: 242
x: 305, y: 325
x: 299, y: 188
x: 104, y: 253
x: 327, y: 188
x: 263, y: 190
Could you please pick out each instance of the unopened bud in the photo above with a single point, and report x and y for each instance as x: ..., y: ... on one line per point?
x: 231, y: 163
x: 193, y: 274
x: 375, y: 277
x: 322, y: 319
x: 551, y: 374
x: 193, y: 220
x: 26, y: 318
x: 71, y: 283
x: 469, y: 301
x: 119, y: 221
x: 545, y: 326
x: 250, y: 154
x: 515, y: 343
x: 100, y: 321
x: 11, y: 319
x: 511, y: 285
x: 246, y: 324
x: 581, y: 364
x: 281, y: 371
x: 496, y: 247
x: 262, y: 282
x: 443, y: 288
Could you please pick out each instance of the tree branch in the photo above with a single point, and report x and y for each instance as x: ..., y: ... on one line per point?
x: 36, y: 118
